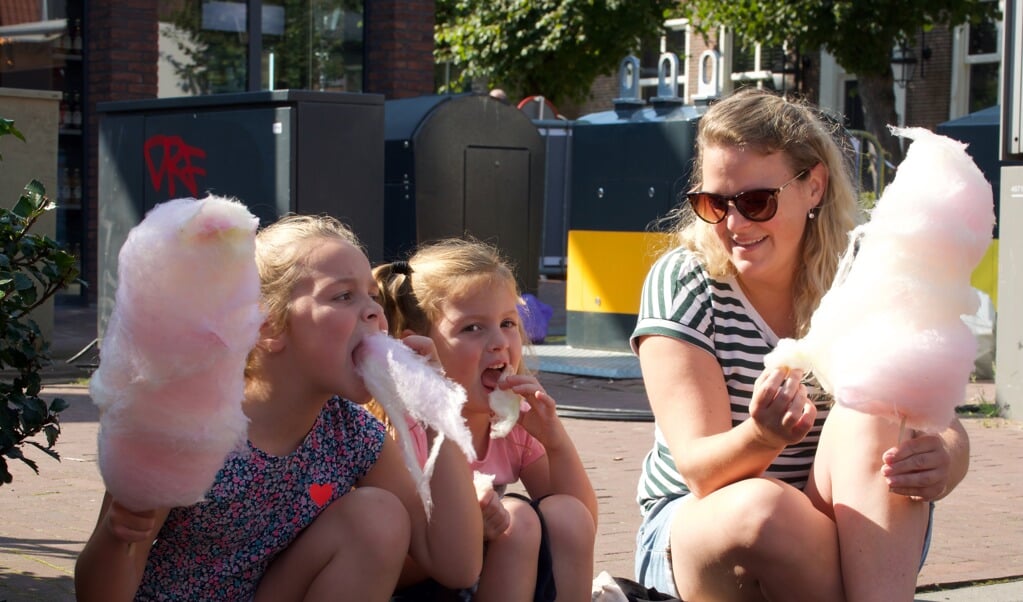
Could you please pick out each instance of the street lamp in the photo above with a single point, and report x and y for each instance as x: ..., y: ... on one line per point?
x: 903, y: 64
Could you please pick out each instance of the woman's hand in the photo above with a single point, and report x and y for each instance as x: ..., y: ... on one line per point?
x: 918, y: 467
x: 495, y: 516
x: 780, y: 407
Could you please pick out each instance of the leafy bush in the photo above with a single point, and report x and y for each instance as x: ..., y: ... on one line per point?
x: 32, y: 269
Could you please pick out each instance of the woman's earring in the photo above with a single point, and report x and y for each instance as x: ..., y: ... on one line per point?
x: 812, y: 214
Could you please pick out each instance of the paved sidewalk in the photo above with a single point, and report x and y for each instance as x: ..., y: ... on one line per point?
x: 978, y: 529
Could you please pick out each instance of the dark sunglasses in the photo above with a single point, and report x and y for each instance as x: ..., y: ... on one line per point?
x: 755, y: 205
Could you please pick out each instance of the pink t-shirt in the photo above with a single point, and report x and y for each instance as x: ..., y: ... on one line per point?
x: 505, y: 457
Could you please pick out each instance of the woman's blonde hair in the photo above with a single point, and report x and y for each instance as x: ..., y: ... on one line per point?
x: 766, y: 123
x: 281, y: 249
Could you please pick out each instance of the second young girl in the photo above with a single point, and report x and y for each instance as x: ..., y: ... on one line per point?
x: 463, y: 295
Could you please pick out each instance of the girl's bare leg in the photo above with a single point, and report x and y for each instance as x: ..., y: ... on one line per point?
x: 354, y: 550
x: 509, y: 566
x: 571, y: 535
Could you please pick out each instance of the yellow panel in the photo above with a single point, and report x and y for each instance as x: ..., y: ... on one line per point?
x: 985, y: 276
x: 606, y: 269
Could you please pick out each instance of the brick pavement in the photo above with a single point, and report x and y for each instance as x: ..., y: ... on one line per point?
x: 47, y: 518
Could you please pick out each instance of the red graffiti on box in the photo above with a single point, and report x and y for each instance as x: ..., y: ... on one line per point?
x: 175, y: 163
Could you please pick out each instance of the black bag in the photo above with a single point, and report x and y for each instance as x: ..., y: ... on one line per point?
x: 638, y: 593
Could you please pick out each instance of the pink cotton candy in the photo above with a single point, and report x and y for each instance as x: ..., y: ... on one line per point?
x: 888, y: 337
x: 171, y: 376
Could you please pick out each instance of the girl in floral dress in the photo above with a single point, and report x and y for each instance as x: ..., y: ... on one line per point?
x: 320, y: 505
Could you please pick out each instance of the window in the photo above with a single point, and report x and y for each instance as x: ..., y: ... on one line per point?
x: 976, y: 67
x: 769, y: 67
x: 675, y: 40
x: 303, y: 44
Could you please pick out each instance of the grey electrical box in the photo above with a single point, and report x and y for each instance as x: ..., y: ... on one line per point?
x: 464, y: 165
x: 279, y: 152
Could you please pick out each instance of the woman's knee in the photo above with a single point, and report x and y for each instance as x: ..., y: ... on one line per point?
x: 741, y: 514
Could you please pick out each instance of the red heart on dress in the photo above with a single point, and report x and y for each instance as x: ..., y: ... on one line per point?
x: 321, y: 493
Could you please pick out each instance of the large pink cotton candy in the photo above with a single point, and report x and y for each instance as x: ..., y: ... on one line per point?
x: 888, y: 338
x: 171, y: 376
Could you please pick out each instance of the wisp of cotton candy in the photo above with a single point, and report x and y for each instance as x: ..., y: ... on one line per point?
x: 171, y: 377
x: 405, y: 384
x: 888, y: 337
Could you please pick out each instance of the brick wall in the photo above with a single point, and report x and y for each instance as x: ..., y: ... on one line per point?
x: 119, y: 66
x: 399, y: 47
x: 928, y: 96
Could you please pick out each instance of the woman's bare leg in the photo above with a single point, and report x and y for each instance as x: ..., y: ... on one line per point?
x: 881, y: 533
x: 755, y: 540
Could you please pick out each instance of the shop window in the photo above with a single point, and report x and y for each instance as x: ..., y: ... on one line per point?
x: 303, y: 44
x: 44, y: 52
x: 976, y: 69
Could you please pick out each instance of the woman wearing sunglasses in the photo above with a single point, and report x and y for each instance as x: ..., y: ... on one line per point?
x: 756, y: 488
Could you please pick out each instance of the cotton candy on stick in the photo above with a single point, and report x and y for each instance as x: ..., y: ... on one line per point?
x: 888, y: 337
x: 171, y: 377
x: 405, y: 384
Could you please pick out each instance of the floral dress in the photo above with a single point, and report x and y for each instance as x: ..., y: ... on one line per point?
x: 219, y: 548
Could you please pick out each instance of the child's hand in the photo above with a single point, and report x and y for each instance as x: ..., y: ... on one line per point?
x: 495, y: 517
x: 129, y: 526
x: 918, y: 468
x: 542, y: 420
x: 425, y: 347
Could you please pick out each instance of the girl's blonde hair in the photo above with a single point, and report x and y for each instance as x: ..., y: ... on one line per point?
x: 281, y: 249
x: 766, y: 123
x: 413, y: 292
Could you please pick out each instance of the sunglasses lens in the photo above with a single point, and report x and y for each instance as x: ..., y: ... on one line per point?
x: 708, y: 207
x: 757, y: 205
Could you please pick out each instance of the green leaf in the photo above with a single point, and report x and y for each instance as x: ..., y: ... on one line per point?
x: 22, y: 282
x: 58, y: 405
x: 24, y: 208
x: 51, y: 432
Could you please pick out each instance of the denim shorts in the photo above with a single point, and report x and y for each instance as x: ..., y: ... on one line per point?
x: 653, y: 541
x: 653, y: 545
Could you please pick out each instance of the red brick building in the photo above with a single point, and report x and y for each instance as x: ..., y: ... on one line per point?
x: 112, y: 50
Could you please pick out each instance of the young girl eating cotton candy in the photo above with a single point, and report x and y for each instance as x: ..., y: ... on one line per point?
x: 463, y: 295
x: 320, y: 504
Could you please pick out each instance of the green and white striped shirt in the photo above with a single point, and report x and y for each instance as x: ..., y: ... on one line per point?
x: 680, y: 300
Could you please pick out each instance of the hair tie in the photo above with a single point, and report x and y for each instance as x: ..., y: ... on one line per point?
x: 401, y: 267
